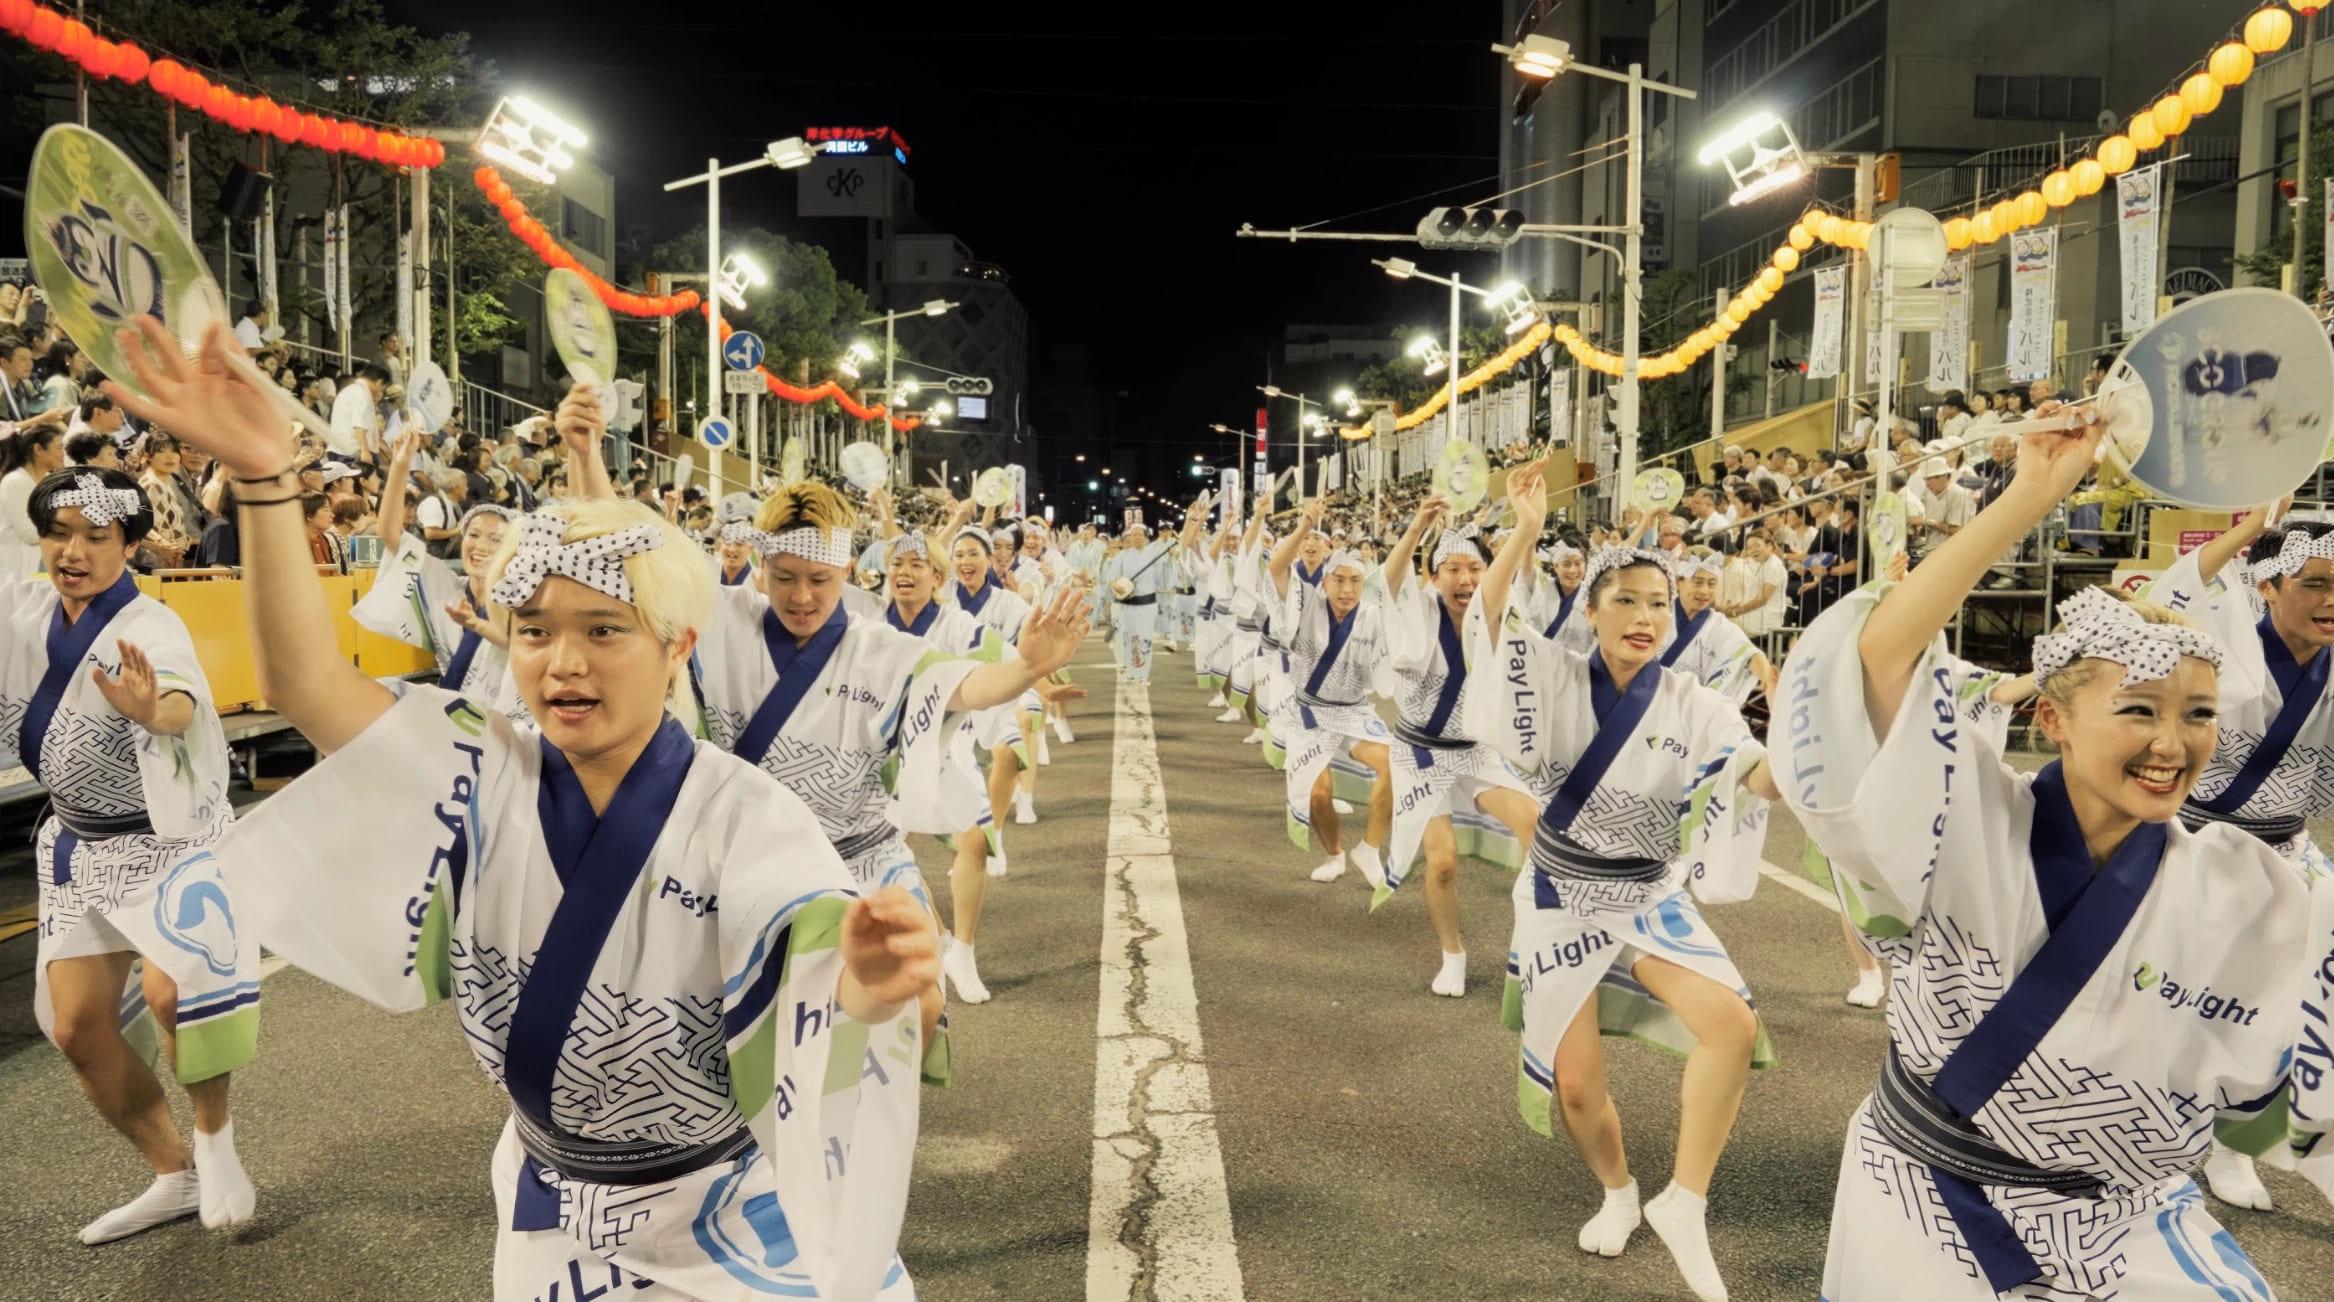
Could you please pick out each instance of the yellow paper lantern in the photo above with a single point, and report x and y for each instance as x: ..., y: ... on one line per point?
x: 2088, y: 176
x: 2171, y: 115
x: 1957, y: 233
x: 2144, y: 133
x: 1827, y: 228
x: 2201, y: 94
x: 2058, y: 189
x: 2032, y: 208
x: 1986, y: 228
x: 2117, y: 154
x: 1802, y: 239
x: 2231, y: 64
x: 2005, y: 215
x: 2267, y: 31
x: 1787, y: 257
x: 1738, y: 312
x: 1771, y: 279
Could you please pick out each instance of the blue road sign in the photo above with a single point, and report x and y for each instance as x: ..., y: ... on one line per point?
x: 742, y: 350
x: 715, y: 433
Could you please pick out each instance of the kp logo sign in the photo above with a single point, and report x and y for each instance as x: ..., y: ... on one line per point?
x: 845, y: 183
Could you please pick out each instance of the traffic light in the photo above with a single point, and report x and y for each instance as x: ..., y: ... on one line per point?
x: 1791, y: 364
x: 1470, y: 228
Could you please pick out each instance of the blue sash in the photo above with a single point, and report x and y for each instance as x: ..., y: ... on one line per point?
x: 1686, y: 630
x: 1454, y: 681
x: 457, y: 669
x: 1313, y: 579
x: 798, y: 668
x: 1339, y: 630
x: 2087, y: 913
x: 923, y: 622
x: 1616, y: 724
x: 2302, y: 686
x: 740, y: 580
x: 1563, y: 612
x: 67, y: 645
x: 598, y: 859
x: 972, y: 601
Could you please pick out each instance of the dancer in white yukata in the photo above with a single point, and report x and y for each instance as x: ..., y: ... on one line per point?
x: 1707, y: 645
x: 1334, y: 646
x: 1651, y: 786
x: 2072, y: 1009
x: 1211, y: 642
x: 1136, y: 576
x: 1245, y: 582
x: 709, y: 1044
x: 2274, y: 768
x: 1556, y: 609
x: 1451, y: 797
x: 733, y: 555
x: 419, y: 600
x: 102, y: 699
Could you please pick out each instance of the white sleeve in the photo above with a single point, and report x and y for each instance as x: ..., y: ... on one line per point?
x: 409, y: 597
x: 2224, y: 605
x: 15, y: 501
x: 1515, y: 678
x: 184, y: 777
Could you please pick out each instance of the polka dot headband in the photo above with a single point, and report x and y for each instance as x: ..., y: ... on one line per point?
x: 2095, y: 626
x: 2298, y: 550
x: 1344, y: 560
x: 99, y: 505
x: 1614, y: 558
x: 910, y: 544
x: 597, y: 563
x: 1454, y: 542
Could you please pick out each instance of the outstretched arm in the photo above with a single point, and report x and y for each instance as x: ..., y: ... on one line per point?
x: 207, y: 402
x: 1527, y: 492
x: 391, y: 525
x: 1195, y: 522
x: 2215, y: 555
x: 1398, y: 560
x: 2050, y: 464
x: 582, y: 425
x: 1047, y: 642
x: 1285, y: 556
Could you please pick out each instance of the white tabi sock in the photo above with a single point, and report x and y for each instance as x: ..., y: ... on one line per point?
x: 963, y: 975
x: 167, y: 1199
x: 1062, y: 730
x: 1341, y: 806
x: 228, y: 1197
x: 2231, y: 1177
x: 1452, y: 981
x: 995, y: 864
x: 1365, y: 860
x: 1607, y: 1232
x: 1332, y: 870
x: 1217, y: 702
x: 1678, y: 1215
x: 1255, y: 736
x: 1024, y: 809
x: 1871, y: 987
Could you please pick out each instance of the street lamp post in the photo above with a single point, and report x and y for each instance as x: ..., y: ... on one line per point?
x: 890, y: 322
x: 789, y: 153
x: 1275, y: 391
x: 1512, y: 298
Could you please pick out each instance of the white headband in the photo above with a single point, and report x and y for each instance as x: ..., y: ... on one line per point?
x: 811, y: 543
x: 1454, y: 542
x: 503, y: 513
x: 597, y: 563
x: 1562, y: 552
x: 910, y: 543
x: 740, y: 531
x: 972, y: 531
x: 1689, y: 566
x: 2093, y: 625
x: 1613, y: 558
x: 1341, y: 560
x: 2299, y: 549
x: 99, y: 505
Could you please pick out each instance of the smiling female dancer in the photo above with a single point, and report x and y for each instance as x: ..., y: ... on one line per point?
x: 1611, y: 740
x: 650, y: 945
x: 2070, y: 1014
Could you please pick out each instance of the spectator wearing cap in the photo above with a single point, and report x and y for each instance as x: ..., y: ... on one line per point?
x: 1936, y: 507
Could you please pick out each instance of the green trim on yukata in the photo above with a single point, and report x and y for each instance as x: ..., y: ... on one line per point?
x: 938, y: 1070
x: 2256, y: 1135
x: 216, y: 1046
x: 1619, y: 1014
x: 753, y: 1065
x: 433, y: 963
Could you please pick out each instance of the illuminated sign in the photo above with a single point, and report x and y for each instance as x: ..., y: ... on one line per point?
x: 859, y: 140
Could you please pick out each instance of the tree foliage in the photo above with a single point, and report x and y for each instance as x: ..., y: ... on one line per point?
x: 807, y: 315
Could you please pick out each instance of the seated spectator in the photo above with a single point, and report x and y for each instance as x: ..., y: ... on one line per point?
x: 90, y: 448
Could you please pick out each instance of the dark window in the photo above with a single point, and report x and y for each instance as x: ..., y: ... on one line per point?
x: 2038, y: 99
x: 580, y: 224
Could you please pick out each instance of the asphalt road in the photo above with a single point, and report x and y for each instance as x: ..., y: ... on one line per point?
x: 1369, y: 1140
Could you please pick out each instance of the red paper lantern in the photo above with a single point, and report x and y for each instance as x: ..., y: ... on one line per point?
x: 511, y: 210
x: 14, y: 14
x: 194, y: 90
x: 136, y: 64
x: 73, y: 39
x: 97, y: 58
x: 46, y: 27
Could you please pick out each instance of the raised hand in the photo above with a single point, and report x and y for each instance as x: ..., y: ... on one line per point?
x: 205, y: 400
x: 466, y: 615
x: 2053, y: 461
x: 1052, y: 692
x: 131, y: 694
x: 1054, y: 632
x: 889, y: 947
x: 580, y: 421
x: 1429, y: 511
x: 1527, y: 492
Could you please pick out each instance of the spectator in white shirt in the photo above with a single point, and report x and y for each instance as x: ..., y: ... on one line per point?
x: 1953, y: 416
x: 356, y: 416
x: 440, y: 514
x: 393, y: 358
x: 1760, y: 579
x: 1942, y: 505
x: 30, y: 457
x: 251, y: 331
x: 1708, y: 520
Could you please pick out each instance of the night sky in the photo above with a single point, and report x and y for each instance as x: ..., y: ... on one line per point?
x: 1103, y: 159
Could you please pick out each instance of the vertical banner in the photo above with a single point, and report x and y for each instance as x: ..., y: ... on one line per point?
x: 1560, y: 405
x: 2136, y: 199
x: 2329, y: 232
x: 332, y: 238
x: 1823, y: 347
x: 1263, y: 461
x: 1020, y: 503
x: 1949, y: 347
x: 405, y: 292
x: 181, y: 174
x: 2033, y: 302
x: 1876, y: 358
x: 348, y: 322
x: 1228, y: 495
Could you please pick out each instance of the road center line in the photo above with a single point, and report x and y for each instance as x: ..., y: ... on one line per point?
x: 1159, y: 1226
x: 1795, y: 882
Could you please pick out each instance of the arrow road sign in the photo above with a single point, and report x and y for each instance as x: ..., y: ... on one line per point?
x: 742, y: 350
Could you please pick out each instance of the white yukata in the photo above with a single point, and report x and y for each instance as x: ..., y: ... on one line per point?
x: 654, y: 986
x: 1333, y: 663
x: 125, y: 854
x: 2062, y: 1037
x: 1138, y: 611
x: 1005, y: 611
x: 408, y: 602
x: 1247, y: 605
x: 1274, y: 685
x: 953, y: 632
x: 1562, y: 617
x: 1179, y: 598
x: 2270, y: 788
x: 1642, y: 799
x: 1212, y: 624
x: 1712, y: 649
x: 1437, y: 769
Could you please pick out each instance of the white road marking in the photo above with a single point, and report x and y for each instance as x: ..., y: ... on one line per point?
x: 1160, y: 1221
x: 1800, y: 884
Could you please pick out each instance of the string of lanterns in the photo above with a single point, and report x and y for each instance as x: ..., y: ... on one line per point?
x: 124, y: 61
x: 2265, y: 31
x: 547, y: 247
x: 1525, y: 345
x: 825, y: 389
